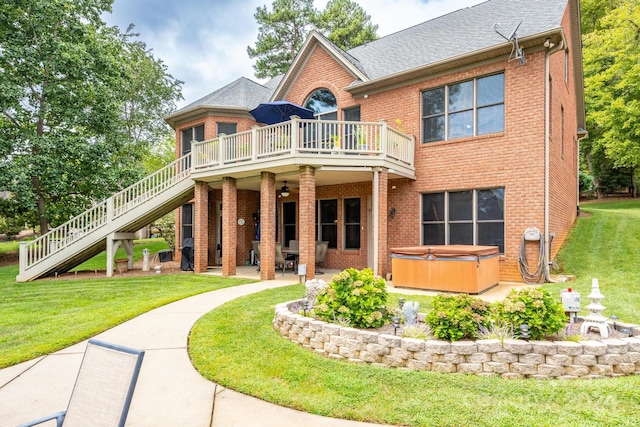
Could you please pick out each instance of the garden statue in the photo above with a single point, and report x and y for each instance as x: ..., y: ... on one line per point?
x: 410, y: 311
x: 314, y: 286
x: 595, y: 319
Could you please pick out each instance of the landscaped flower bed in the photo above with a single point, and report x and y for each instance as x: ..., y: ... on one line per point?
x: 509, y: 359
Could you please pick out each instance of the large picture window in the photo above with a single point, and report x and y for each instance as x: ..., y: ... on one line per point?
x: 351, y: 223
x: 471, y: 217
x: 474, y: 107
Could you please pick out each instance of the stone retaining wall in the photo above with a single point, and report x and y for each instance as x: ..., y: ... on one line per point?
x: 509, y: 359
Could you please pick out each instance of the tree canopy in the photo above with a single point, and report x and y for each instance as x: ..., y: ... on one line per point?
x: 80, y: 103
x: 612, y: 90
x: 346, y: 24
x: 283, y: 29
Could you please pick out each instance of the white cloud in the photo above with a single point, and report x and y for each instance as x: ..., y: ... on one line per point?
x: 204, y: 43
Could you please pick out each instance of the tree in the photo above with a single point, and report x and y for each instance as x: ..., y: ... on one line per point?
x: 75, y: 101
x: 283, y: 30
x: 281, y: 34
x: 346, y: 24
x: 612, y: 91
x: 160, y: 154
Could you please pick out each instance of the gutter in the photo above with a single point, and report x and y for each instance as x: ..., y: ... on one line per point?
x: 360, y: 88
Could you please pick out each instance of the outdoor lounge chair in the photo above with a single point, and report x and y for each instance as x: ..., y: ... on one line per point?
x: 104, y: 387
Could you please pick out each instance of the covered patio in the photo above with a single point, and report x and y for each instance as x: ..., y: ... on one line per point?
x: 303, y: 155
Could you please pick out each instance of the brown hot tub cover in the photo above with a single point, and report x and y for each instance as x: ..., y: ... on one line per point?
x: 446, y: 251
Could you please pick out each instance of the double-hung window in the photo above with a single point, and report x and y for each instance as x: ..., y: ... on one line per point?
x: 327, y: 222
x: 474, y: 107
x: 351, y: 214
x: 288, y: 222
x: 470, y: 217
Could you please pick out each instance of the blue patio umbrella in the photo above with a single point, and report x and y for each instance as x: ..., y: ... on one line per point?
x: 274, y: 112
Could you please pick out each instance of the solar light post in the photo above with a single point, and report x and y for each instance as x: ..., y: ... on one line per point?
x: 395, y: 320
x: 524, y: 332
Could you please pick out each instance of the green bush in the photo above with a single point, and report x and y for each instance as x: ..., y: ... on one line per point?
x: 354, y: 297
x: 534, y: 307
x: 455, y: 317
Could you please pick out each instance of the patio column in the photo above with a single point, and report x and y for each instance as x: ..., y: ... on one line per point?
x: 201, y: 227
x: 380, y: 207
x: 307, y: 219
x: 267, y: 226
x: 229, y: 230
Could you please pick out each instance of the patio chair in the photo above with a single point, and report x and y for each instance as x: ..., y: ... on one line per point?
x: 321, y: 254
x: 256, y: 251
x: 281, y: 261
x: 104, y: 387
x: 293, y: 251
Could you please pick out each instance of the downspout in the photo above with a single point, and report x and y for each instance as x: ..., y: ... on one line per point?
x: 547, y: 141
x: 376, y: 213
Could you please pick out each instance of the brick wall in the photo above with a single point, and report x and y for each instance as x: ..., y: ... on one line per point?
x: 513, y: 159
x: 563, y: 147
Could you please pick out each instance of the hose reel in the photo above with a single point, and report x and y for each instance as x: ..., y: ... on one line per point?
x: 532, y: 275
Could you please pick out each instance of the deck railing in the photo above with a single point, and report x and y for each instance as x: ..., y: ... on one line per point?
x: 102, y: 213
x: 305, y: 137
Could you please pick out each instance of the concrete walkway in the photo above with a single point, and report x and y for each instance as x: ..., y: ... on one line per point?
x: 170, y: 392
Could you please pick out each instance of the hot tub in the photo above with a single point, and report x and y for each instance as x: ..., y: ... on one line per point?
x: 451, y: 268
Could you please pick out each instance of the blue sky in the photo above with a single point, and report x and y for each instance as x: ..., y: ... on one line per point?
x: 204, y: 42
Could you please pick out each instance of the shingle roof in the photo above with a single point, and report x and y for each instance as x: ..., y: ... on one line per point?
x: 457, y: 33
x: 449, y: 36
x: 243, y: 93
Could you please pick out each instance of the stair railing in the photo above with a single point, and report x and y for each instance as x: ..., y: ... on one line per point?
x: 57, y: 239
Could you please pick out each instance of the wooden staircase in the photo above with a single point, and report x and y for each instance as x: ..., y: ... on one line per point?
x: 86, y: 235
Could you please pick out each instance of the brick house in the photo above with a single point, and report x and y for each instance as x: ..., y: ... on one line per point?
x: 458, y: 130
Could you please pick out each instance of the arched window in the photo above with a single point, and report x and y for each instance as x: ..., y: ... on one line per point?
x: 324, y: 103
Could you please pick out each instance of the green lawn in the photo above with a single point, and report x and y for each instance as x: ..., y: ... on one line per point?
x: 235, y: 346
x: 606, y: 246
x: 43, y: 316
x: 238, y: 353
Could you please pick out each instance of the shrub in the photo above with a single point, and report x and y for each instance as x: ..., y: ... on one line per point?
x: 534, y: 307
x: 496, y: 331
x: 455, y: 317
x: 356, y: 297
x: 420, y: 331
x: 569, y: 335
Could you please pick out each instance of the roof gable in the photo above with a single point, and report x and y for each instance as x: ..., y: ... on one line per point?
x: 316, y: 40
